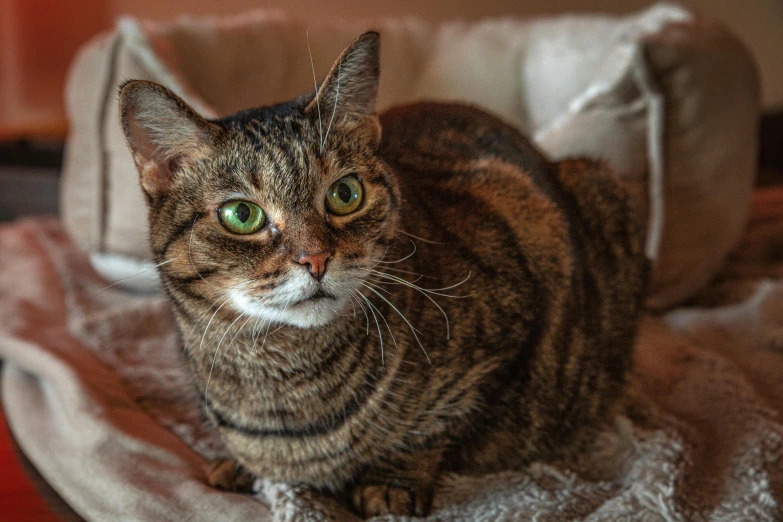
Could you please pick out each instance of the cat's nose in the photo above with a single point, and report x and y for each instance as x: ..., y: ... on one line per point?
x: 314, y: 263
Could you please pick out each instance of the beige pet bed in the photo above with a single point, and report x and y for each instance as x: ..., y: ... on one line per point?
x: 669, y: 100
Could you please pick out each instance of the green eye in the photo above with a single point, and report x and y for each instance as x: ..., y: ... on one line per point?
x: 241, y: 217
x: 344, y: 196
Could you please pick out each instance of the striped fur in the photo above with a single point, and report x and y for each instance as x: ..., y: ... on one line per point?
x: 540, y: 334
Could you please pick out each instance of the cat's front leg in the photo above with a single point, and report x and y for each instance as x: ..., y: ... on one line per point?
x: 403, y: 485
x: 229, y: 475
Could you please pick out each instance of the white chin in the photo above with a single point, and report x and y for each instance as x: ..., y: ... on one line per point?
x: 309, y: 314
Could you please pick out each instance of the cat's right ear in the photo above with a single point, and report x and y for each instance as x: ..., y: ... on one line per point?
x: 350, y: 89
x: 162, y: 133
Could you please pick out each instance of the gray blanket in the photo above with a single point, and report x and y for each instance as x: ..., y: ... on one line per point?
x: 95, y: 393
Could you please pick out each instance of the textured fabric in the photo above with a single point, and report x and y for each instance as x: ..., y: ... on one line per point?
x: 95, y: 392
x: 669, y: 100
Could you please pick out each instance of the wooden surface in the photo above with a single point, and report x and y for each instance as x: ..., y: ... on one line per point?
x: 24, y: 494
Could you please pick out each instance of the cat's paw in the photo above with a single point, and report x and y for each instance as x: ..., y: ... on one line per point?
x: 388, y: 499
x: 229, y: 475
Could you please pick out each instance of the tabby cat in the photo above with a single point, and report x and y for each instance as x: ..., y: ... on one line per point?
x: 367, y: 301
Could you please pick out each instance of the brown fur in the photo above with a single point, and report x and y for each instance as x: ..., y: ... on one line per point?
x: 540, y: 334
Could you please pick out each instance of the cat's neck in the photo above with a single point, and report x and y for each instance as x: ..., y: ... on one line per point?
x: 274, y: 348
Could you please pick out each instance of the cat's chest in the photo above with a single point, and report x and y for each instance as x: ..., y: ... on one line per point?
x: 282, y: 379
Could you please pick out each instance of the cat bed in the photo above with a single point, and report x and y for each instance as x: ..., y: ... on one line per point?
x: 671, y: 101
x: 96, y: 394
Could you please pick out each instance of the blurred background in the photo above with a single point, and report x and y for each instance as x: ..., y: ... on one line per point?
x: 38, y: 39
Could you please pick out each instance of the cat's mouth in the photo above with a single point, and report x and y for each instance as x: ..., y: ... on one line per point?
x: 315, y: 297
x: 305, y: 306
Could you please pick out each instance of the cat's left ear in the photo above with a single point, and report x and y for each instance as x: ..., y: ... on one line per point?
x: 162, y: 133
x: 351, y: 88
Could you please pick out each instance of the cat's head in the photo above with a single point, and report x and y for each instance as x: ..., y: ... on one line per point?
x: 277, y: 212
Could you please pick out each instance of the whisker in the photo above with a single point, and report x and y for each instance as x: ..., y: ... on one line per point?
x: 210, y: 322
x: 380, y: 335
x: 421, y: 238
x: 384, y: 322
x: 267, y: 334
x: 334, y: 109
x: 433, y: 291
x: 254, y: 331
x: 317, y: 93
x: 353, y: 308
x: 118, y: 281
x: 455, y: 285
x: 282, y: 325
x: 203, y: 315
x: 409, y: 272
x: 353, y: 296
x: 374, y: 272
x: 442, y: 311
x: 190, y: 256
x: 217, y: 350
x: 234, y: 338
x: 413, y: 330
x: 399, y: 260
x: 376, y: 282
x: 339, y: 313
x: 258, y: 333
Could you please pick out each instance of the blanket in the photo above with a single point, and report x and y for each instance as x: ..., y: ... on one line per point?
x: 96, y: 394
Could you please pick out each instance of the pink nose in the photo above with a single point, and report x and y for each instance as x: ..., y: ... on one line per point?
x: 315, y: 263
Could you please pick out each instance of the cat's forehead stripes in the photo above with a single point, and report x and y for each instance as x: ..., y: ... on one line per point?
x: 279, y: 158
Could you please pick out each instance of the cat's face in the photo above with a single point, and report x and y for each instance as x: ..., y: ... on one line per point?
x: 278, y: 213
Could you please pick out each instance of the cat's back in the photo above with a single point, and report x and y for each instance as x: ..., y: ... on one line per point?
x: 444, y: 138
x: 455, y: 157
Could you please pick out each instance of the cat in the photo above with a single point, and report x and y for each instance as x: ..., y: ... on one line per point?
x: 369, y: 301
